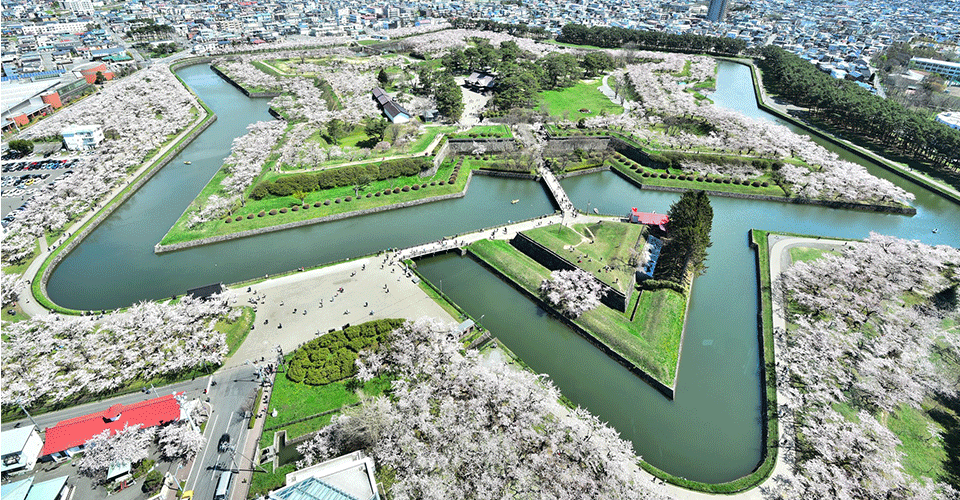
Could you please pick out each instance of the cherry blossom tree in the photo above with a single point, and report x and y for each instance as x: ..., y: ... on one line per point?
x: 180, y: 441
x: 572, y: 292
x: 12, y: 284
x: 132, y: 444
x: 56, y: 358
x: 856, y: 340
x: 458, y: 427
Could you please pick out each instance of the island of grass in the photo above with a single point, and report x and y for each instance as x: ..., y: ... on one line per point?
x: 286, y: 199
x: 647, y: 336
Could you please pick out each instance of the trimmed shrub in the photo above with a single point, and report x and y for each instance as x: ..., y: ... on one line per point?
x: 283, y: 210
x: 406, y: 189
x: 337, y: 200
x: 700, y: 179
x: 273, y: 212
x: 434, y: 183
x: 396, y: 190
x: 442, y: 183
x: 326, y: 202
x: 423, y: 185
x: 369, y: 195
x: 755, y: 184
x: 296, y: 208
x: 306, y: 206
x: 348, y: 198
x: 250, y: 216
x: 238, y: 218
x: 663, y: 176
x: 317, y: 204
x: 671, y: 176
x: 726, y: 181
x: 261, y: 214
x: 228, y: 220
x: 377, y: 194
x: 331, y: 357
x: 416, y: 187
x: 764, y: 183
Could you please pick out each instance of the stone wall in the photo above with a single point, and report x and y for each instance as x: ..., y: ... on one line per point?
x: 119, y: 201
x: 241, y: 88
x: 612, y: 298
x: 662, y: 388
x: 564, y: 145
x: 865, y: 207
x: 466, y: 146
x: 159, y: 249
x: 441, y: 154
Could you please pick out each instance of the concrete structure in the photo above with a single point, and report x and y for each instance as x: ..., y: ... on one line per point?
x: 54, y: 489
x: 946, y: 69
x: 950, y: 119
x: 19, y: 449
x: 717, y: 11
x: 82, y: 137
x: 343, y: 478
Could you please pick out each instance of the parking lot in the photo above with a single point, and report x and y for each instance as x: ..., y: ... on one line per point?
x: 23, y: 178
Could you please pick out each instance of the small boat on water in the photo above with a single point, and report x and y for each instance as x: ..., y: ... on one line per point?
x: 596, y: 211
x: 936, y: 230
x: 187, y: 162
x: 514, y: 202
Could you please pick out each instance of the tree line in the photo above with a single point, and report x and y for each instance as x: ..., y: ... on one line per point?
x: 351, y: 175
x: 685, y: 250
x: 521, y: 75
x: 612, y: 37
x: 521, y: 30
x: 844, y: 106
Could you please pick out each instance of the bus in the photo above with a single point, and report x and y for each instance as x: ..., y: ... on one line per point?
x: 223, y: 485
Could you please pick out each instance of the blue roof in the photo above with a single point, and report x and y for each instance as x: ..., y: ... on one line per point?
x: 309, y: 489
x: 28, y: 490
x: 17, y: 490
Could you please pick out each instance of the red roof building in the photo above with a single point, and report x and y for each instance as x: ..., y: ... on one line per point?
x: 650, y: 219
x: 75, y: 432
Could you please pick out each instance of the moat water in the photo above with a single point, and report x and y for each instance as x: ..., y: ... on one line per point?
x: 712, y: 430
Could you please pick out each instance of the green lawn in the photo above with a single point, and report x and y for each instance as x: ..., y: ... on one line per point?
x: 655, y: 350
x: 569, y: 101
x: 594, y: 246
x: 499, y: 130
x: 18, y: 314
x: 806, y: 254
x: 236, y: 331
x: 180, y: 232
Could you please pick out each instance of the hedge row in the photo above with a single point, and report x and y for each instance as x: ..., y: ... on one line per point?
x: 331, y: 357
x: 339, y: 177
x: 674, y: 159
x: 690, y: 177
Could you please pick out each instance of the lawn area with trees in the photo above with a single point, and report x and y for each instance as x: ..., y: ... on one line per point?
x: 580, y: 100
x: 649, y: 344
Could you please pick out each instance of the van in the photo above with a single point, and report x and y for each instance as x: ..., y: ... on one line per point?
x: 223, y: 485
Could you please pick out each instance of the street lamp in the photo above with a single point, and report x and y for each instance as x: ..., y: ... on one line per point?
x: 20, y: 403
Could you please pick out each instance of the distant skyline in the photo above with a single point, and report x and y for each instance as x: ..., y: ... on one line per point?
x: 718, y: 10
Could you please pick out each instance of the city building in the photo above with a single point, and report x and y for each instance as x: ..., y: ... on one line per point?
x: 950, y: 119
x: 27, y: 489
x: 946, y: 69
x: 19, y: 449
x: 69, y: 436
x: 82, y: 137
x: 717, y: 11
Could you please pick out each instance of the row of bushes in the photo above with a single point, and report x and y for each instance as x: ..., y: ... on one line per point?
x: 339, y: 177
x: 674, y: 159
x: 347, y: 199
x: 331, y: 357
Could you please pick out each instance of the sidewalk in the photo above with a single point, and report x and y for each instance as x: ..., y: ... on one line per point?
x: 251, y: 444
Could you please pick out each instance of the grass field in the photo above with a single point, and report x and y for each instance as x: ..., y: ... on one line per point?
x: 806, y: 254
x: 649, y: 343
x: 593, y: 247
x: 568, y: 102
x: 499, y: 130
x: 770, y: 190
x: 180, y: 232
x: 236, y: 331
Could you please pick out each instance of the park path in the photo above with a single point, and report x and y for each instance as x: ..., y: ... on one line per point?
x: 426, y: 152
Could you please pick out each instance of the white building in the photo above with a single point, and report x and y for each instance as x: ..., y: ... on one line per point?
x: 19, y: 449
x: 348, y: 477
x: 80, y: 7
x: 946, y: 69
x: 950, y: 119
x: 82, y: 137
x: 52, y: 28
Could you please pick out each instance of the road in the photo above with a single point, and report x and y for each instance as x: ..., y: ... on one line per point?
x: 233, y: 394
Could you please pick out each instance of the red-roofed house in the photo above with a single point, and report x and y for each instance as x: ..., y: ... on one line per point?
x: 68, y: 436
x: 650, y: 219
